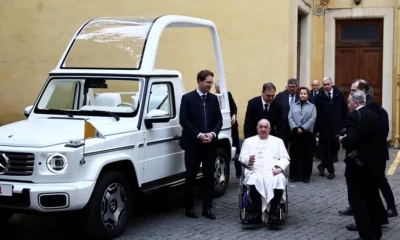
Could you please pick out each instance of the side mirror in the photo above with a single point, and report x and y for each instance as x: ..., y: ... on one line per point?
x: 28, y: 110
x: 156, y: 116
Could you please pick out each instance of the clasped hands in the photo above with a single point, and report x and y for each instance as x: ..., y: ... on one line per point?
x: 206, y: 137
x: 275, y: 171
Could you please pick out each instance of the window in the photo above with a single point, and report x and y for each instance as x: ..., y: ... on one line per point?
x: 59, y: 95
x: 161, y: 97
x: 368, y: 32
x: 91, y: 96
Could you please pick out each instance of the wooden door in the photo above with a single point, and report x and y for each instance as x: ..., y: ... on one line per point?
x: 359, y: 52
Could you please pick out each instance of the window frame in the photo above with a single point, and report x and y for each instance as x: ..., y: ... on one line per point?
x: 75, y: 99
x: 358, y: 42
x: 172, y: 96
x: 141, y: 79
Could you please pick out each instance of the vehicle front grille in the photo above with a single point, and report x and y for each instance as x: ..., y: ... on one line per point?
x: 18, y: 164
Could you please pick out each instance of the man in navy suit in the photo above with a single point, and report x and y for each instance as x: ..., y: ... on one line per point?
x: 201, y: 119
x: 315, y: 87
x: 286, y: 98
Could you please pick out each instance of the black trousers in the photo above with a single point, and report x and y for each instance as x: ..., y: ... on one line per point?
x: 205, y: 154
x: 366, y: 204
x: 301, y: 155
x: 257, y: 203
x: 384, y: 187
x: 328, y: 146
x: 386, y: 190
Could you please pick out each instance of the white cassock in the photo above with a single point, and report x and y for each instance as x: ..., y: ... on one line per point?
x: 268, y: 153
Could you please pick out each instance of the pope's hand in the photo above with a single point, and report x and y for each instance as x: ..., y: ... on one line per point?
x: 276, y: 171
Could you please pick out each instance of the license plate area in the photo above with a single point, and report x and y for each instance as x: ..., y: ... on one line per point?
x: 6, y: 190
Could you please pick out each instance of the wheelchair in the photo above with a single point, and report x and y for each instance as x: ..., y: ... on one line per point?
x: 245, y: 201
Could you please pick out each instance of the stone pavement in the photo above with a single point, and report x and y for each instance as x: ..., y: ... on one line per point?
x: 313, y: 214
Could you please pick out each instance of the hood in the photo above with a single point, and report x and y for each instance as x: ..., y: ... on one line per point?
x: 43, y: 132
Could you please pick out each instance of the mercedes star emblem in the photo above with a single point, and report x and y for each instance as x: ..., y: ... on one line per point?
x: 3, y: 163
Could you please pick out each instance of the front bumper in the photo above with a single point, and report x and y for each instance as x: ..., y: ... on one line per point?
x: 25, y: 196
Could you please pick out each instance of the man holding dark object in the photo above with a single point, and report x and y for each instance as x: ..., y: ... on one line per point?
x: 234, y: 130
x: 383, y: 183
x: 363, y: 165
x: 201, y: 120
x: 331, y: 116
x: 261, y: 107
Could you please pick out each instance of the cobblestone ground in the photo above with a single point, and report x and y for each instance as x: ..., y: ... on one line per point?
x: 313, y: 210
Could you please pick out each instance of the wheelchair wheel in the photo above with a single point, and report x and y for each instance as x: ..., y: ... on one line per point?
x: 242, y: 202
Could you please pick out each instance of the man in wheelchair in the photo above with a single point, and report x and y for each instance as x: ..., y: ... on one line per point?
x: 265, y: 159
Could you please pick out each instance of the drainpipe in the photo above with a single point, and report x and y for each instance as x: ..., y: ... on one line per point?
x: 397, y: 105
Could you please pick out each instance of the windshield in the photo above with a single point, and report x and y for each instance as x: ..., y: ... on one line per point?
x: 113, y: 43
x: 91, y: 96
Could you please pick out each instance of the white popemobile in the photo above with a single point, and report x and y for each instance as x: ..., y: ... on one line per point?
x: 105, y: 81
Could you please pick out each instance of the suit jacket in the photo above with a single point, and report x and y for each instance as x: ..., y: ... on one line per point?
x: 190, y: 118
x: 331, y: 113
x: 363, y: 135
x: 232, y: 104
x: 283, y: 99
x: 312, y: 96
x: 233, y: 108
x: 255, y: 113
x: 384, y: 118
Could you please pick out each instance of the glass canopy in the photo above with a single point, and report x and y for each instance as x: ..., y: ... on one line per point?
x: 113, y: 43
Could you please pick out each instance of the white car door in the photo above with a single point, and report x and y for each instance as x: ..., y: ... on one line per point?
x: 163, y: 155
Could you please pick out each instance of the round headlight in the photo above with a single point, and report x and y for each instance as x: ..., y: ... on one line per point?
x: 57, y: 163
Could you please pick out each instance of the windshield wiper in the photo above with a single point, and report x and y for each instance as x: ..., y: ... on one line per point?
x: 61, y: 111
x: 109, y: 113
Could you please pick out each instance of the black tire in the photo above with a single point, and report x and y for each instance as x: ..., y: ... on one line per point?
x: 221, y: 186
x: 5, y: 216
x: 108, y: 183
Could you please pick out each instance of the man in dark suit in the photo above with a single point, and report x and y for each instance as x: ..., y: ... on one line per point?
x: 285, y: 99
x: 201, y: 120
x: 234, y: 130
x: 363, y: 165
x: 264, y: 106
x: 315, y: 87
x: 383, y: 183
x: 331, y: 116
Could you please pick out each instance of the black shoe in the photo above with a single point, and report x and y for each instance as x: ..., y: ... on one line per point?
x: 351, y: 227
x: 321, y: 170
x: 331, y: 176
x: 254, y: 219
x: 191, y: 213
x: 392, y: 212
x: 273, y: 220
x: 346, y: 212
x: 293, y: 180
x: 306, y: 180
x: 208, y: 214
